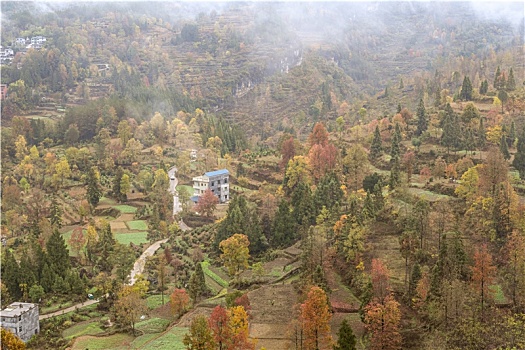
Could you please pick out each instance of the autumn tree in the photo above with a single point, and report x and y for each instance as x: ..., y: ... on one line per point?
x: 207, y: 203
x: 382, y: 320
x: 287, y: 151
x: 315, y: 319
x: 239, y: 329
x: 179, y: 301
x: 199, y: 336
x: 218, y: 323
x: 382, y: 315
x: 322, y: 159
x: 10, y: 341
x: 77, y: 240
x: 235, y: 253
x: 319, y: 135
x: 515, y: 270
x: 129, y: 306
x: 356, y: 166
x: 482, y: 275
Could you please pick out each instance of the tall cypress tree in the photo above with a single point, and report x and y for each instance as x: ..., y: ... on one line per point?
x: 346, y: 338
x: 395, y: 170
x: 512, y: 134
x: 105, y: 247
x: 116, y: 184
x: 511, y: 81
x: 197, y: 284
x: 422, y: 122
x: 57, y: 254
x: 484, y: 87
x: 450, y: 125
x: 376, y: 147
x: 55, y: 213
x: 11, y: 274
x: 504, y: 148
x: 519, y: 157
x: 283, y: 228
x: 94, y: 190
x: 466, y: 89
x: 497, y: 79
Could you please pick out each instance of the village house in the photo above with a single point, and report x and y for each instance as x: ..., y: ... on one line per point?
x: 217, y: 181
x: 38, y: 40
x: 21, y: 319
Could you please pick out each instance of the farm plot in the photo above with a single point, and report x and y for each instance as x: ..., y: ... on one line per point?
x: 116, y: 342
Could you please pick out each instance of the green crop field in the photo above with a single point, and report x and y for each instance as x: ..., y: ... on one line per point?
x: 213, y: 275
x: 116, y: 342
x: 132, y: 237
x: 154, y: 301
x: 137, y: 225
x: 171, y: 340
x: 153, y: 325
x: 126, y: 209
x: 82, y: 329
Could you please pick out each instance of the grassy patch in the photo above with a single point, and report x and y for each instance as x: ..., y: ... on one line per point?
x: 115, y: 341
x: 139, y: 342
x: 126, y: 209
x: 82, y: 329
x: 171, y: 340
x: 427, y: 195
x: 137, y: 225
x: 105, y: 200
x: 133, y: 237
x: 153, y: 325
x: 187, y: 188
x: 154, y: 301
x: 55, y: 307
x: 213, y: 275
x: 499, y: 297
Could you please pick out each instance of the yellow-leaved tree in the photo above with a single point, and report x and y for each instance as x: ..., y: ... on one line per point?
x: 235, y: 253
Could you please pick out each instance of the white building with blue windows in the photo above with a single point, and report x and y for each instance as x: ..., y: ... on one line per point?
x: 217, y: 181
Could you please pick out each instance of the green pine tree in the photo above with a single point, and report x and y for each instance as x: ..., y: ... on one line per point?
x: 11, y: 274
x: 394, y: 149
x: 283, y: 228
x: 512, y: 135
x: 117, y: 181
x: 414, y: 279
x: 422, y: 122
x: 519, y: 157
x: 94, y: 190
x: 58, y: 254
x: 497, y: 79
x: 511, y: 81
x: 466, y: 89
x: 504, y: 148
x: 450, y: 137
x: 55, y: 213
x: 482, y: 137
x: 346, y: 338
x: 376, y: 147
x: 104, y: 248
x: 197, y: 284
x: 484, y: 87
x: 48, y: 278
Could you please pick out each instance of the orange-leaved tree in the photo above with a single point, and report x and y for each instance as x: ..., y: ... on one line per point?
x: 179, y: 301
x: 382, y: 315
x: 319, y: 135
x: 218, y: 322
x: 315, y: 319
x: 482, y: 274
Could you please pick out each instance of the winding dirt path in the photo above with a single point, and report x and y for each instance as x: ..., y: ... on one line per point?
x: 138, y: 268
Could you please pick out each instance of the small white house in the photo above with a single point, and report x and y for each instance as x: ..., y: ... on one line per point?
x: 21, y: 319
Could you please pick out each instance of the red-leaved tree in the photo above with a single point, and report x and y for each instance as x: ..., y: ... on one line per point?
x: 207, y: 203
x: 179, y: 301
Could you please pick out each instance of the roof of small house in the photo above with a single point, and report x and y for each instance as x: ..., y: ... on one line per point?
x: 217, y: 173
x: 16, y: 309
